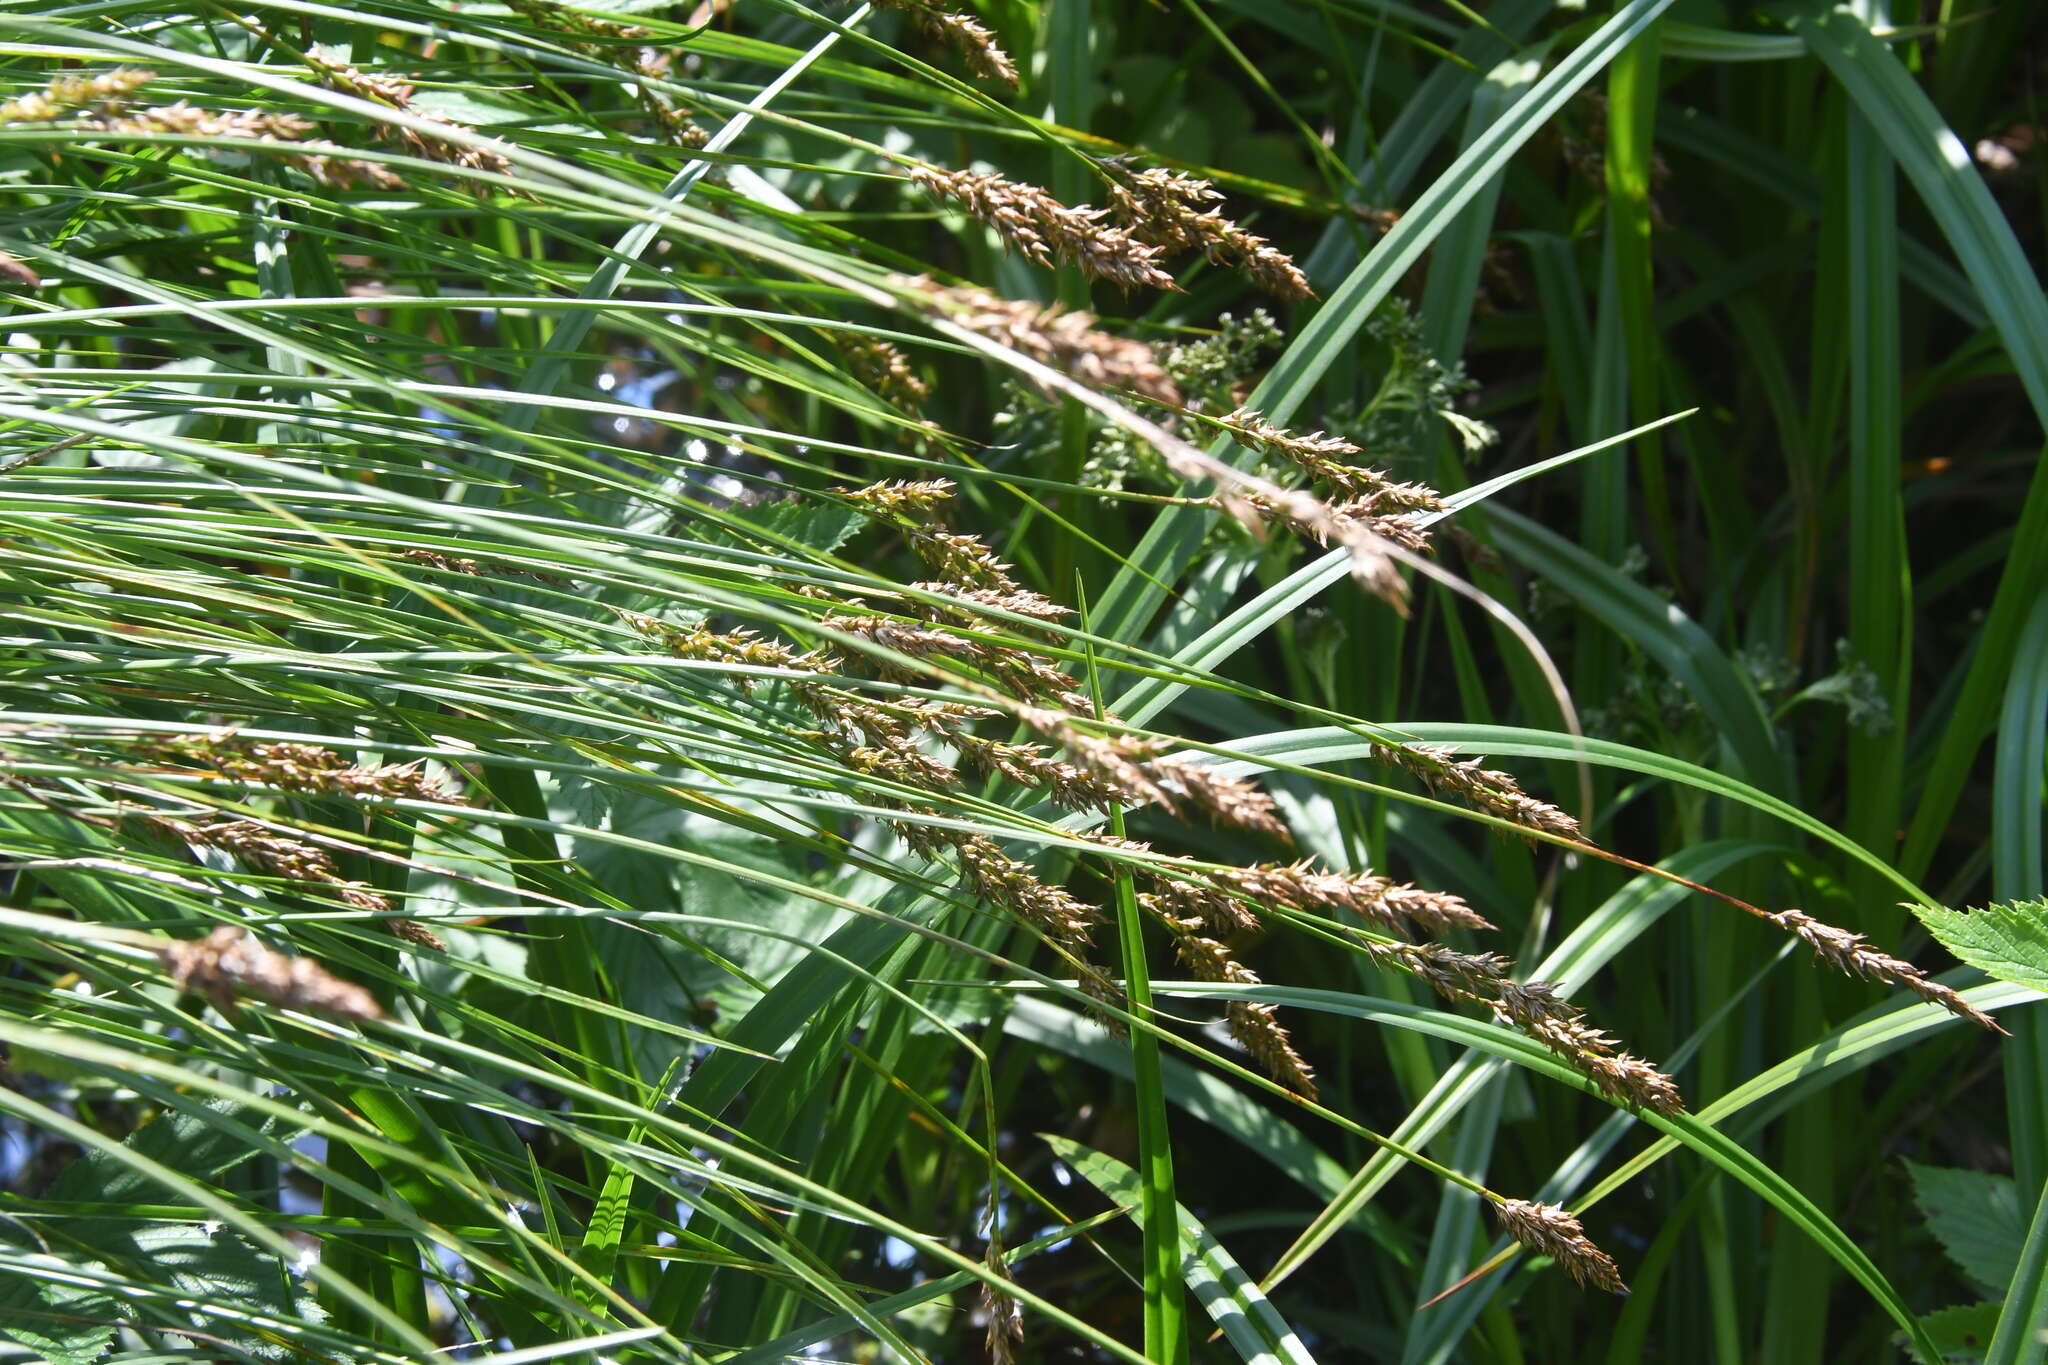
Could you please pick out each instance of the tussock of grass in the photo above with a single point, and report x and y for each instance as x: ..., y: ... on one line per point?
x: 641, y: 644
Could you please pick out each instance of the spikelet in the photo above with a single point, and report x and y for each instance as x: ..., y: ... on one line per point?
x: 1539, y: 1011
x: 1536, y: 1009
x: 228, y: 964
x: 1252, y: 1023
x: 975, y: 601
x: 265, y: 850
x: 1327, y: 458
x: 1192, y: 906
x: 1028, y: 765
x: 906, y: 499
x: 1002, y: 880
x: 109, y: 91
x: 1493, y: 792
x: 1046, y: 230
x: 613, y: 43
x: 412, y: 931
x: 1018, y: 671
x: 1856, y: 955
x: 1174, y: 212
x: 725, y: 647
x: 190, y: 121
x: 969, y: 36
x: 349, y: 80
x: 1550, y: 1230
x: 295, y: 767
x: 1005, y: 1319
x: 885, y: 368
x: 962, y: 559
x: 1304, y: 887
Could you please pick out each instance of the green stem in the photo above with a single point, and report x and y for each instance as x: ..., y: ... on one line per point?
x: 1166, y: 1331
x: 1166, y: 1327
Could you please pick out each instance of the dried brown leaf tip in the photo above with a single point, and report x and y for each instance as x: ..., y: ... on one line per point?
x: 12, y: 267
x: 1066, y: 341
x: 1858, y: 956
x: 229, y: 964
x: 973, y: 39
x: 1044, y: 229
x: 1550, y: 1230
x: 1176, y: 213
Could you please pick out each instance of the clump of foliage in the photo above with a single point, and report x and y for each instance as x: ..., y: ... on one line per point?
x: 754, y: 680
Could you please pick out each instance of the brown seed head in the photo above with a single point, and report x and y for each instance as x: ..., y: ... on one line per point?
x: 972, y: 38
x: 1255, y: 1025
x: 1046, y: 230
x: 1174, y: 212
x: 228, y: 964
x: 1494, y: 792
x: 108, y: 91
x: 1550, y: 1230
x: 1856, y: 955
x: 1065, y: 341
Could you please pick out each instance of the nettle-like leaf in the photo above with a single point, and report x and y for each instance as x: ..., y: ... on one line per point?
x: 1977, y: 1218
x: 1962, y: 1332
x: 50, y: 1268
x: 2008, y: 941
x: 818, y: 523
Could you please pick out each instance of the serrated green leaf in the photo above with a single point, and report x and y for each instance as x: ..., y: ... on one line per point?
x: 1977, y: 1218
x: 1962, y: 1332
x: 72, y: 1323
x: 2007, y: 941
